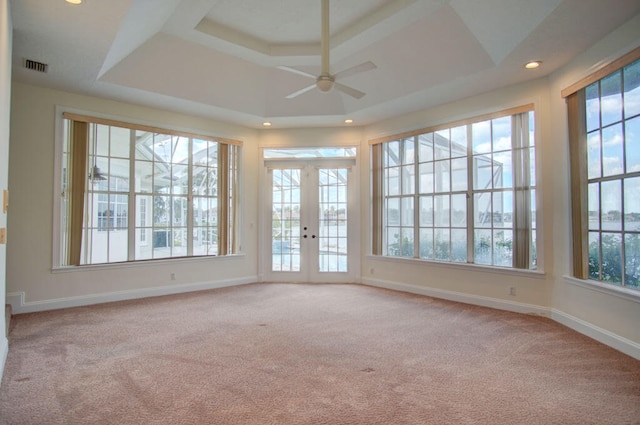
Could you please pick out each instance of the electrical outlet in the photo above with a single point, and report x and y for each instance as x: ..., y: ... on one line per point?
x: 173, y: 276
x: 512, y: 291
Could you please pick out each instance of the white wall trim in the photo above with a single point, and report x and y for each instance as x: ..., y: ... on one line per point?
x: 19, y: 305
x: 461, y: 297
x: 631, y: 348
x: 4, y: 352
x: 604, y: 336
x: 605, y: 288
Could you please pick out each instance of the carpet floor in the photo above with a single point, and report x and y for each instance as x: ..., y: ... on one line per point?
x: 309, y: 354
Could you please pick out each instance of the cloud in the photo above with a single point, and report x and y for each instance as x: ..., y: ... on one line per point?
x: 612, y: 137
x: 612, y: 166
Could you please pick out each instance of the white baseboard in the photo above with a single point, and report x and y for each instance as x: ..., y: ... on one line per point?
x: 4, y: 351
x: 461, y: 297
x: 631, y: 348
x: 19, y: 305
x: 604, y: 336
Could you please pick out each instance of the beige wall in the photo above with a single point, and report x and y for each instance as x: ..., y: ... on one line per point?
x: 31, y: 175
x: 610, y: 317
x: 611, y: 313
x: 545, y: 292
x: 5, y: 107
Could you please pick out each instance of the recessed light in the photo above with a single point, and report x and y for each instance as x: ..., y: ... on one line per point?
x: 348, y: 121
x: 266, y: 124
x: 74, y: 1
x: 533, y: 64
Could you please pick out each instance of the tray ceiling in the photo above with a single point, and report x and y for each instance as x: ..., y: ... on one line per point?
x: 219, y: 58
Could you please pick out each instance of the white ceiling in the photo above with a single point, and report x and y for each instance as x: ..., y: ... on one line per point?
x: 219, y: 58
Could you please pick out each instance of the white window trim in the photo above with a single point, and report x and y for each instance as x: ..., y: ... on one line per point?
x: 528, y: 104
x: 536, y: 274
x: 59, y: 143
x: 605, y: 288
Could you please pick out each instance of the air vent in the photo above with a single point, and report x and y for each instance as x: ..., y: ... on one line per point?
x: 36, y: 66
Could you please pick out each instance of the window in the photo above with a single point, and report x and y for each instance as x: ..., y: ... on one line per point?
x: 134, y: 193
x: 604, y: 125
x: 462, y: 193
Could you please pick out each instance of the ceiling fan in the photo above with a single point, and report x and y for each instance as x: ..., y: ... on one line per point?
x: 326, y: 81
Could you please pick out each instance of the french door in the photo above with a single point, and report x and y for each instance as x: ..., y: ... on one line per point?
x: 310, y: 235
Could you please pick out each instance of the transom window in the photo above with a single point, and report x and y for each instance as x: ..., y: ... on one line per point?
x: 459, y: 193
x: 136, y: 193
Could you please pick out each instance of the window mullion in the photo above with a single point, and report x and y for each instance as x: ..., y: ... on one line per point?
x: 190, y: 199
x: 416, y: 199
x: 223, y: 199
x: 470, y: 203
x: 131, y: 221
x: 377, y: 199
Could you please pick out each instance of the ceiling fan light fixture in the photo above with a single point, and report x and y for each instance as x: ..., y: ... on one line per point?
x: 325, y: 83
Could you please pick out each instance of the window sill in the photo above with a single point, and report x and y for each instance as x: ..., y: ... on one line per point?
x: 142, y: 263
x: 535, y: 274
x: 605, y: 288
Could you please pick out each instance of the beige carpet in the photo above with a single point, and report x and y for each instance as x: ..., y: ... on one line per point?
x: 309, y: 354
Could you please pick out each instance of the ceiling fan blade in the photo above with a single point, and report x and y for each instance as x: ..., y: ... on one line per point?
x: 366, y: 66
x: 299, y: 92
x: 297, y: 71
x: 349, y: 90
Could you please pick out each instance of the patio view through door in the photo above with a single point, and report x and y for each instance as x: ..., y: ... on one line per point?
x: 309, y: 222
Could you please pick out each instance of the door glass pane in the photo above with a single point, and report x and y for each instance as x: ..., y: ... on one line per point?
x: 332, y: 219
x: 285, y: 227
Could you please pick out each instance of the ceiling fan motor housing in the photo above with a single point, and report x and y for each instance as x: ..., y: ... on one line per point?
x: 324, y: 82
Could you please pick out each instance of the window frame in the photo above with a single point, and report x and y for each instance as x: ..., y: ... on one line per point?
x: 575, y: 97
x: 532, y: 189
x: 65, y: 115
